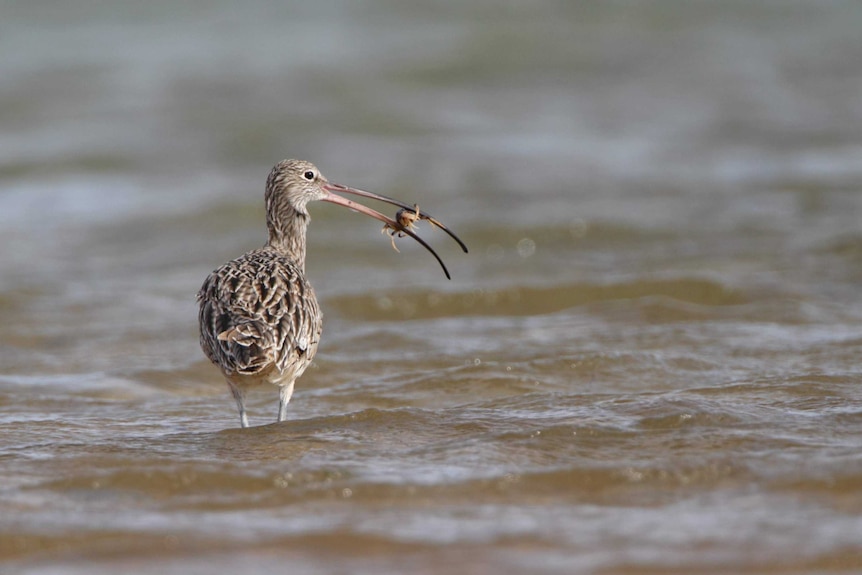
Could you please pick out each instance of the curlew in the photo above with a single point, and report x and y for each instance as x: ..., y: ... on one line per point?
x: 259, y: 318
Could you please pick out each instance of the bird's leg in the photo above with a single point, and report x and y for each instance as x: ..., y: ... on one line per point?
x: 239, y: 396
x: 284, y: 397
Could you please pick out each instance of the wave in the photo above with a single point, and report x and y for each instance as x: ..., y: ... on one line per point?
x: 530, y: 300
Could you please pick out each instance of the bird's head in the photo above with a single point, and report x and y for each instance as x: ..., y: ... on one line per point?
x: 293, y: 183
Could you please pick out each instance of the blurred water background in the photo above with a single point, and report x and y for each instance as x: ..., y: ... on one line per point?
x: 648, y: 363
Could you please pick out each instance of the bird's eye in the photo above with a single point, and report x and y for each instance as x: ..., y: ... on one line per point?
x: 309, y: 175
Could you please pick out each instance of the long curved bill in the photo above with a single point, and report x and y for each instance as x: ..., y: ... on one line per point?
x: 400, y: 204
x: 336, y: 199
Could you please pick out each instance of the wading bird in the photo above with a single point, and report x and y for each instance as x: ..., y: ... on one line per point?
x: 259, y: 318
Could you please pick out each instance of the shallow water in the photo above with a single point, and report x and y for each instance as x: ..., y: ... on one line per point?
x: 646, y: 364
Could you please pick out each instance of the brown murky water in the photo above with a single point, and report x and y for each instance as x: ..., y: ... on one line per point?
x: 648, y: 363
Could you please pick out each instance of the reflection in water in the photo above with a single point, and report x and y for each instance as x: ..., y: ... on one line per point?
x: 647, y: 362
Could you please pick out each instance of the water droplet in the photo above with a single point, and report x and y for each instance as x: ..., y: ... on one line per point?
x: 526, y: 247
x: 384, y: 303
x: 578, y: 228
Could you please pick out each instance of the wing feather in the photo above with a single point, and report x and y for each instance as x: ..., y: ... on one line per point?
x: 258, y: 312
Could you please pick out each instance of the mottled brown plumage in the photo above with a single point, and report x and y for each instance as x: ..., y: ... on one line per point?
x: 259, y: 318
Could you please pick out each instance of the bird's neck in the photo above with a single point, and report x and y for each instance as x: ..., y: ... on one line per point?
x: 287, y: 235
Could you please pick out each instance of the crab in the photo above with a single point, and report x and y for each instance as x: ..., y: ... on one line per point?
x: 406, y: 219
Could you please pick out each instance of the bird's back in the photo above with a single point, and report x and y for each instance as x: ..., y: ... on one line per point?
x: 259, y: 317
